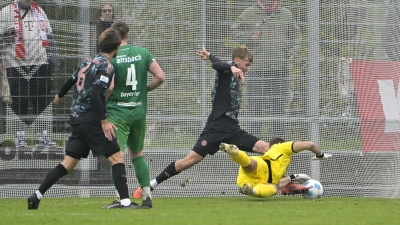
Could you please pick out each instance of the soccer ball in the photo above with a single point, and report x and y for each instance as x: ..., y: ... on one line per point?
x: 315, y: 192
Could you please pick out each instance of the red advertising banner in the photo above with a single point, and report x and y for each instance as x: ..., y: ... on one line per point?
x: 377, y: 87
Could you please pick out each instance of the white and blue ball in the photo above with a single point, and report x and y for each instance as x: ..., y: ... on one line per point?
x: 315, y: 192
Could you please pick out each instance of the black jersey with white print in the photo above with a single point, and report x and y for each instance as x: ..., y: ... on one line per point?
x: 226, y: 95
x: 91, y: 82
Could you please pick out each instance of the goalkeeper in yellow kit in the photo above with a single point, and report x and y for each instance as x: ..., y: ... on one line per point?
x: 263, y: 176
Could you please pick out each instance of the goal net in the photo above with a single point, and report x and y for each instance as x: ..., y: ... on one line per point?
x: 324, y: 71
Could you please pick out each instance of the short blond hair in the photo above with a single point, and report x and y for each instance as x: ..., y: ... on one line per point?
x: 242, y: 52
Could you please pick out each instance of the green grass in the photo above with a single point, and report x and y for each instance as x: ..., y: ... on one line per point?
x: 243, y: 210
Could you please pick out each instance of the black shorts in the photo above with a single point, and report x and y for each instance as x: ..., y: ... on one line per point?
x: 90, y: 136
x: 223, y: 130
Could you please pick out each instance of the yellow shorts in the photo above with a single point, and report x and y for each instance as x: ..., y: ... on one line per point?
x: 258, y: 179
x: 259, y: 176
x: 279, y: 158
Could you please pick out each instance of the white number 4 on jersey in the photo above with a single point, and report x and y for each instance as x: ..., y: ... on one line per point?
x: 131, y: 77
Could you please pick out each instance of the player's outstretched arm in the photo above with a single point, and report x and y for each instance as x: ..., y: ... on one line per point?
x: 56, y: 99
x: 217, y: 64
x: 203, y: 53
x: 283, y: 182
x: 299, y: 146
x: 64, y: 90
x: 322, y: 156
x: 158, y: 76
x: 299, y: 177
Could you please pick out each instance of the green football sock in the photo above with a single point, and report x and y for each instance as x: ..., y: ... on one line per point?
x: 142, y: 171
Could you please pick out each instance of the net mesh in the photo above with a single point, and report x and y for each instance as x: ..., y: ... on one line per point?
x: 325, y: 71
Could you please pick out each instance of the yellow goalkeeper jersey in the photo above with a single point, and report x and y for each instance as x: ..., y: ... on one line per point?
x: 279, y: 155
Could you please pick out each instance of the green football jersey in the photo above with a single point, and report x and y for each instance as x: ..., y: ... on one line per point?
x: 128, y: 100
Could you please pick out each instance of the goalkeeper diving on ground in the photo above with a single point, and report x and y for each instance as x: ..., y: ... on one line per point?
x: 263, y: 176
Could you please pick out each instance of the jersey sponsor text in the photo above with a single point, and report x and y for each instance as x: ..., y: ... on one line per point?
x: 130, y: 94
x: 125, y: 59
x: 129, y: 104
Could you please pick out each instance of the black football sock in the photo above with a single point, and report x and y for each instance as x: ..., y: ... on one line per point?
x: 120, y: 180
x: 168, y: 172
x: 52, y: 177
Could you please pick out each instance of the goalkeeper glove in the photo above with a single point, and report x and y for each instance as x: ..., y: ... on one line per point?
x: 321, y: 157
x: 301, y: 178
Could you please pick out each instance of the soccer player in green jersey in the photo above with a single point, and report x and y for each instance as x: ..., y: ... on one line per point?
x: 127, y: 104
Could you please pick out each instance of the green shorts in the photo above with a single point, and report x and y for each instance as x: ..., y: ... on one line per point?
x: 130, y: 133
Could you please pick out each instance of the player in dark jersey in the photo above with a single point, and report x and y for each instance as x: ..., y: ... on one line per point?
x: 127, y: 104
x: 222, y: 123
x: 91, y: 130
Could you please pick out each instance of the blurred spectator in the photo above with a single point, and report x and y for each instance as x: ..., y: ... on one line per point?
x: 27, y: 36
x: 2, y: 4
x: 272, y: 35
x: 103, y: 19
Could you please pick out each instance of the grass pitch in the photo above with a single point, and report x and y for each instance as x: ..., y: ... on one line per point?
x: 240, y: 210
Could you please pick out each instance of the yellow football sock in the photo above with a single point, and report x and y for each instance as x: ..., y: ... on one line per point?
x: 242, y: 159
x: 264, y: 190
